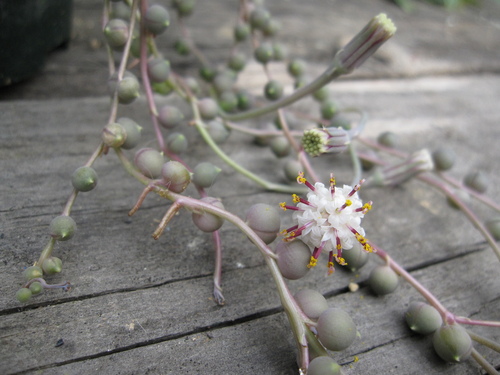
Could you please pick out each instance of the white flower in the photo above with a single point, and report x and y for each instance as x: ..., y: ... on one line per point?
x: 329, y: 219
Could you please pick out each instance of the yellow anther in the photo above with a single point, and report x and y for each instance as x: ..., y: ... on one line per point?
x: 312, y: 262
x: 331, y: 268
x: 339, y: 246
x: 367, y: 207
x: 295, y: 198
x: 283, y: 205
x: 348, y: 202
x: 301, y: 179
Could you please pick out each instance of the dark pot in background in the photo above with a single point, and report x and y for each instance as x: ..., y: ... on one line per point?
x: 29, y: 29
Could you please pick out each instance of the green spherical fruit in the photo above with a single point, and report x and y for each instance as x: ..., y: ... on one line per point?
x: 228, y: 101
x: 177, y: 143
x: 158, y: 69
x: 336, y: 329
x: 324, y: 366
x: 264, y: 53
x: 208, y: 108
x: 273, y: 90
x: 23, y: 295
x: 293, y: 259
x: 241, y: 31
x: 116, y: 33
x: 176, y: 176
x: 443, y: 158
x: 170, y: 116
x: 120, y: 10
x: 32, y: 272
x: 218, y: 131
x: 452, y: 343
x: 156, y: 19
x: 52, y: 265
x: 477, y: 181
x: 264, y: 220
x: 84, y: 179
x: 356, y: 257
x: 311, y: 302
x: 204, y: 174
x: 237, y: 61
x: 292, y: 169
x: 280, y: 146
x: 205, y: 221
x: 149, y: 161
x: 383, y: 280
x: 328, y: 109
x: 493, y: 227
x: 388, y: 139
x: 423, y: 318
x: 36, y: 288
x: 62, y: 228
x: 296, y: 68
x: 133, y: 132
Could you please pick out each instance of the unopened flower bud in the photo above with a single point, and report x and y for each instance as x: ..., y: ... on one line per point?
x: 393, y: 175
x: 327, y: 140
x: 365, y: 43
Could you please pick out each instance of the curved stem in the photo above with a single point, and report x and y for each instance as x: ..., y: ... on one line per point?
x: 484, y: 363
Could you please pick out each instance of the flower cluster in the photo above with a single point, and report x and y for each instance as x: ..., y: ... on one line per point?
x: 327, y: 140
x: 329, y: 219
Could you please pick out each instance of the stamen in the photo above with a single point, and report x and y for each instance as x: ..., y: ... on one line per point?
x: 366, y: 207
x: 362, y: 240
x: 347, y: 203
x: 297, y: 199
x: 302, y: 180
x: 356, y: 188
x: 332, y: 185
x: 330, y: 264
x: 285, y: 207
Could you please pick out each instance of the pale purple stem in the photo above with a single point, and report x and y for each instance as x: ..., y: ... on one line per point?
x: 219, y: 298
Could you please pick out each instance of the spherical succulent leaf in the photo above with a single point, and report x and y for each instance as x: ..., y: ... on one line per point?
x: 114, y: 135
x: 177, y: 143
x: 336, y: 329
x: 208, y: 222
x: 23, y: 295
x: 208, y: 108
x: 388, y: 139
x: 493, y: 227
x: 293, y: 258
x: 62, y: 228
x: 264, y: 53
x: 265, y: 221
x: 423, y: 318
x: 477, y: 180
x: 156, y: 19
x: 280, y: 146
x: 116, y: 33
x: 149, y: 161
x: 133, y: 132
x: 273, y: 90
x: 452, y: 343
x: 324, y: 366
x: 443, y: 158
x: 158, y: 69
x: 356, y: 257
x: 218, y: 131
x: 204, y: 174
x: 32, y: 272
x: 84, y: 179
x: 52, y: 265
x: 383, y: 280
x: 170, y: 116
x: 36, y: 287
x: 311, y: 302
x: 176, y: 176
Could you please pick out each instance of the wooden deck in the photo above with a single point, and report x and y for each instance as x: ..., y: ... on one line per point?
x: 141, y: 306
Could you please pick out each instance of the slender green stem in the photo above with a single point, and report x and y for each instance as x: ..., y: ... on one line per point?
x: 329, y: 75
x: 200, y: 126
x: 484, y: 341
x: 484, y: 363
x: 46, y: 253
